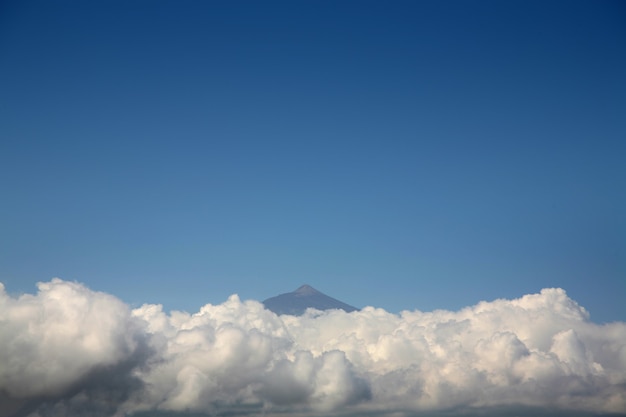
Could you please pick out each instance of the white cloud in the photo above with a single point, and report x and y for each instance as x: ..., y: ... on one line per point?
x: 68, y: 349
x: 64, y: 340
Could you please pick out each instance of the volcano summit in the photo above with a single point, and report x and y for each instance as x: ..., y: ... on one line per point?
x: 295, y: 303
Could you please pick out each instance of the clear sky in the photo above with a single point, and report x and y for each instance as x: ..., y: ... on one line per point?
x: 406, y: 155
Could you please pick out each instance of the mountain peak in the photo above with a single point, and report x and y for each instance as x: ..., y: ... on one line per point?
x: 296, y: 302
x: 306, y: 290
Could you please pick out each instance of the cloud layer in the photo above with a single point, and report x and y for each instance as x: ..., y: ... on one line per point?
x: 71, y: 351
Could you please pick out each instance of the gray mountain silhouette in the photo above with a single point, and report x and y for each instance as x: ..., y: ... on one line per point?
x: 296, y: 302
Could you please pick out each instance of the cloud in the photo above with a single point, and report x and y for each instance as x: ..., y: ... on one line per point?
x: 69, y: 350
x: 67, y: 344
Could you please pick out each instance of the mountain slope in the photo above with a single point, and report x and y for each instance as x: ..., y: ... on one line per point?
x: 296, y: 302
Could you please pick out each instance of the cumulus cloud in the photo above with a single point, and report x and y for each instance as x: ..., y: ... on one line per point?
x: 67, y: 344
x: 69, y: 350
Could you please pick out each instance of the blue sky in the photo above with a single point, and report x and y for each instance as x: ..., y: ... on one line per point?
x: 406, y: 155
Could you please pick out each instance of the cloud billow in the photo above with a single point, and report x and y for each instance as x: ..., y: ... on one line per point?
x: 68, y: 350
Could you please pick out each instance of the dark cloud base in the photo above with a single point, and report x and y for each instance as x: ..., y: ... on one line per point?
x: 512, y: 411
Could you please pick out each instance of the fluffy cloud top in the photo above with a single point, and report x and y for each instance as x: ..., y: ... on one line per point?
x: 69, y: 350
